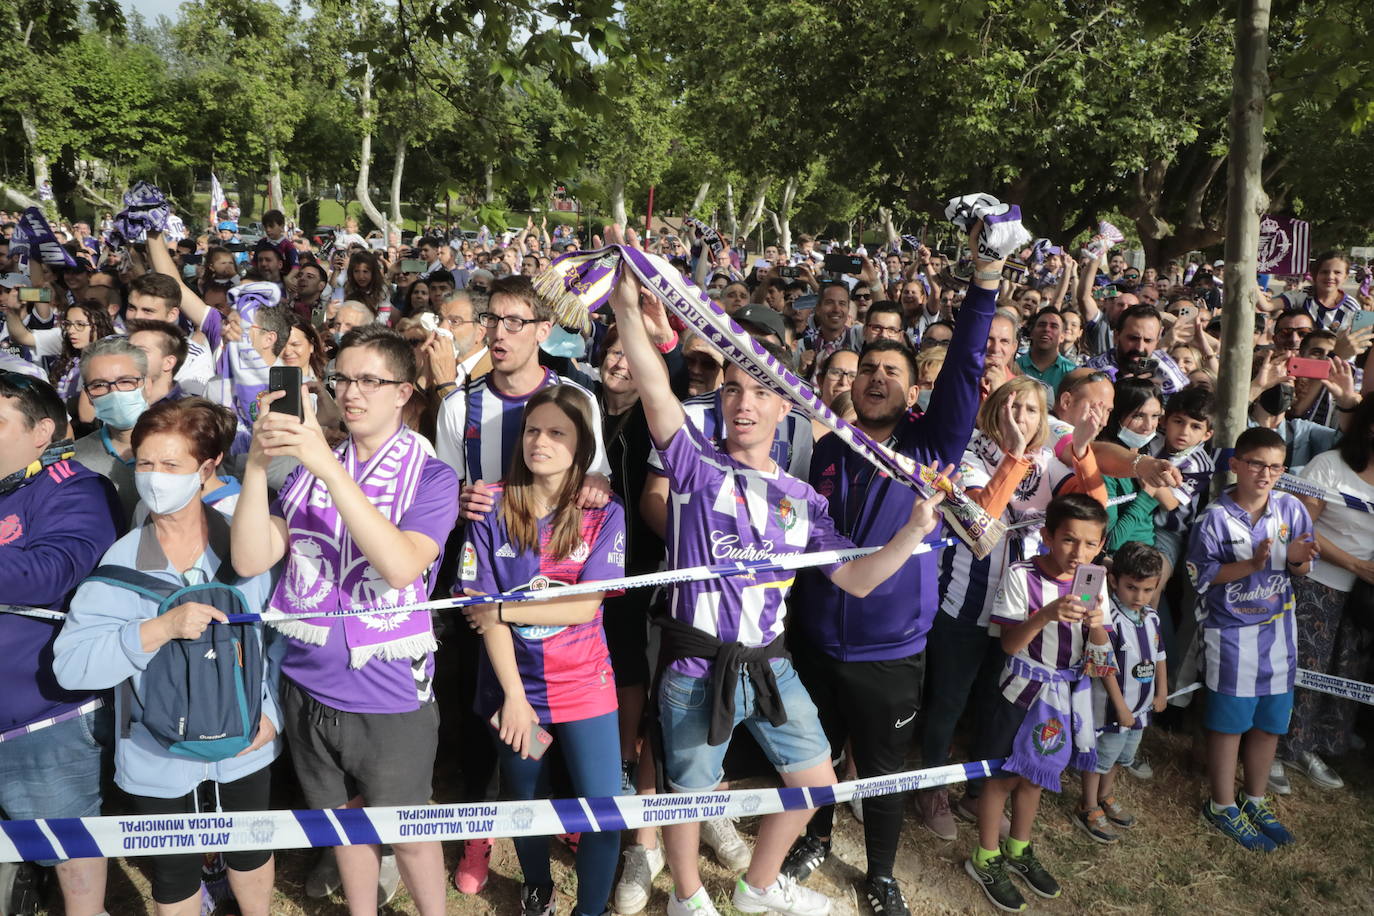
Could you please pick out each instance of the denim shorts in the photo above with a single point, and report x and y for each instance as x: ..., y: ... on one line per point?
x: 692, y: 765
x: 1115, y: 748
x: 55, y: 772
x: 1237, y: 715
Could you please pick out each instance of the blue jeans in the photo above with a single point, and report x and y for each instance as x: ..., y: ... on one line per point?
x: 591, y: 748
x: 55, y: 772
x: 684, y: 708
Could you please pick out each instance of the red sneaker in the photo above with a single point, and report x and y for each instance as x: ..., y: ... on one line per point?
x: 473, y: 869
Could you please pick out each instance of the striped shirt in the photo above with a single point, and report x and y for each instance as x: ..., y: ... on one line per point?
x: 1168, y: 376
x: 1138, y: 647
x: 1337, y: 318
x: 1197, y: 468
x: 968, y: 585
x: 479, y: 428
x: 791, y: 443
x: 1025, y: 589
x: 1249, y: 627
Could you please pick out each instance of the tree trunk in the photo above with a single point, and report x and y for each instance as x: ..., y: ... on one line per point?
x: 700, y: 198
x: 618, y: 215
x: 488, y: 184
x: 274, y: 194
x: 894, y: 240
x: 365, y: 158
x: 400, y: 150
x: 731, y: 216
x: 248, y: 195
x: 16, y: 198
x: 789, y: 197
x: 41, y: 170
x: 1246, y: 201
x: 754, y: 215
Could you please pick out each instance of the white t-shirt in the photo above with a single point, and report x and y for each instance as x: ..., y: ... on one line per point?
x: 1346, y: 528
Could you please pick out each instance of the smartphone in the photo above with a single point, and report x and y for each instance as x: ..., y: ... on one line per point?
x: 1363, y: 319
x: 413, y: 266
x: 1309, y: 368
x: 539, y: 739
x: 1015, y: 271
x: 844, y: 263
x: 289, y: 380
x: 1087, y: 583
x: 35, y: 294
x: 791, y: 273
x: 194, y: 258
x: 1186, y: 311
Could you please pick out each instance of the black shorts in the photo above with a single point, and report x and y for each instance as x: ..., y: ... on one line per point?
x: 387, y: 758
x: 177, y: 878
x: 997, y: 733
x: 625, y: 620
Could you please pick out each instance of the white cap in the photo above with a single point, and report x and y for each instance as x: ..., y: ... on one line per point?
x: 10, y: 281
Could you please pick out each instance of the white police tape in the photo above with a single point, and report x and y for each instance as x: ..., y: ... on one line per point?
x: 234, y: 831
x: 1358, y: 691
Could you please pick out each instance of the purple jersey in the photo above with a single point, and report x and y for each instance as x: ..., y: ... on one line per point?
x: 566, y: 670
x: 792, y: 442
x: 1249, y: 628
x: 1138, y: 648
x: 1025, y: 589
x: 719, y: 511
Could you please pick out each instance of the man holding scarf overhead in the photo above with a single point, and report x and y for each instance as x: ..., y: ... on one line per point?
x: 361, y: 526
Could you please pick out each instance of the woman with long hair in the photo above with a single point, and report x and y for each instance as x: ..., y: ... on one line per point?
x: 365, y: 281
x: 545, y: 664
x: 1135, y: 418
x: 82, y: 324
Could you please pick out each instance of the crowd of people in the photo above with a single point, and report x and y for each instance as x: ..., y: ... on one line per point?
x: 451, y: 439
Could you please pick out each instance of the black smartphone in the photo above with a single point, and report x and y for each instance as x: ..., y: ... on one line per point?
x: 790, y: 273
x: 844, y: 263
x: 191, y: 258
x: 289, y: 380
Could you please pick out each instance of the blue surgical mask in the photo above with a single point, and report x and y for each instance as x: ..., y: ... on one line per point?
x: 120, y: 409
x: 1132, y: 439
x: 561, y: 342
x: 923, y: 398
x: 166, y: 493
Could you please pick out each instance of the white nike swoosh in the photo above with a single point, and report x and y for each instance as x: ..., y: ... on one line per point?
x: 906, y: 721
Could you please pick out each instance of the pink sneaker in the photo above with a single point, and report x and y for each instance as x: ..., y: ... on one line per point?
x: 471, y: 874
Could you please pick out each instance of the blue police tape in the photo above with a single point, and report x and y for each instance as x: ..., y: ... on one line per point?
x: 94, y: 837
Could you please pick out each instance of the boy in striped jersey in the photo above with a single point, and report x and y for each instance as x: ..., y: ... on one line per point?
x: 1244, y: 551
x: 1043, y: 721
x: 1122, y: 704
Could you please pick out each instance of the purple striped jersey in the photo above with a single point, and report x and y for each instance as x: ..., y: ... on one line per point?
x: 791, y: 443
x: 1025, y: 589
x: 1338, y: 318
x: 479, y: 428
x: 968, y: 585
x: 1197, y: 468
x: 1249, y: 634
x: 720, y: 511
x: 1138, y: 647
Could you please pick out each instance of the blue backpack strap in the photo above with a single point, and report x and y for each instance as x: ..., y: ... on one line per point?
x: 148, y: 586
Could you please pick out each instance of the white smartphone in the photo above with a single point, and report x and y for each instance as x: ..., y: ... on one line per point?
x: 1087, y: 583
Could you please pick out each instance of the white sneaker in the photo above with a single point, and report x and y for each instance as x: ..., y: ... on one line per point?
x: 786, y: 897
x: 388, y: 880
x: 1278, y: 779
x: 699, y: 904
x: 637, y: 878
x: 731, y: 851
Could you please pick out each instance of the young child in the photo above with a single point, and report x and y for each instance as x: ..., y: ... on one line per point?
x: 1043, y: 722
x: 1122, y: 704
x: 1244, y: 550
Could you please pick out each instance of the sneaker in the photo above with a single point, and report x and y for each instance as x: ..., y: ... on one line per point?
x: 699, y: 904
x: 885, y: 897
x: 1094, y: 823
x: 1316, y: 771
x: 731, y: 851
x: 1262, y: 815
x: 323, y: 879
x: 966, y: 810
x: 1028, y: 868
x: 636, y: 882
x: 536, y: 900
x: 1140, y: 768
x: 933, y: 807
x: 1278, y: 779
x: 996, y: 883
x: 805, y: 856
x: 388, y: 879
x: 785, y: 897
x: 1232, y: 822
x: 856, y: 808
x: 473, y: 869
x: 1117, y: 814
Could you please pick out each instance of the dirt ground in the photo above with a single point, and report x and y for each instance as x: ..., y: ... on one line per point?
x: 1169, y: 863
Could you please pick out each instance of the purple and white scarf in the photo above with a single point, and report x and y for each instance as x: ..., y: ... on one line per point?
x: 1057, y: 731
x: 1003, y: 232
x: 33, y: 235
x: 240, y: 364
x: 327, y: 571
x: 580, y: 282
x: 145, y: 208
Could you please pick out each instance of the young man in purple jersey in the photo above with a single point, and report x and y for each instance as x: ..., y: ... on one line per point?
x: 863, y: 659
x: 735, y: 503
x: 1245, y: 549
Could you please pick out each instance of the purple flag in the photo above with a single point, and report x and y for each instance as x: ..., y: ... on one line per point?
x: 33, y: 235
x: 1284, y: 246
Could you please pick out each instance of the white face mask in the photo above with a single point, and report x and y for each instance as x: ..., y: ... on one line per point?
x: 1132, y: 439
x: 166, y: 493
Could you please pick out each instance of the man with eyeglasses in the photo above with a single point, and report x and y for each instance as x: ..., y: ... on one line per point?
x: 837, y: 375
x: 1291, y: 329
x: 114, y: 376
x: 461, y: 353
x: 883, y: 322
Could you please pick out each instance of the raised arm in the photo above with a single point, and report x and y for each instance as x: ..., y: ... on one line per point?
x: 160, y: 259
x: 661, y: 408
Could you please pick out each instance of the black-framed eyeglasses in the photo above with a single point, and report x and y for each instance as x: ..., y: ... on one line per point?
x: 513, y: 323
x: 1260, y: 467
x: 837, y: 373
x: 79, y: 325
x: 100, y: 387
x: 861, y: 296
x: 367, y: 384
x: 885, y: 331
x: 457, y: 322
